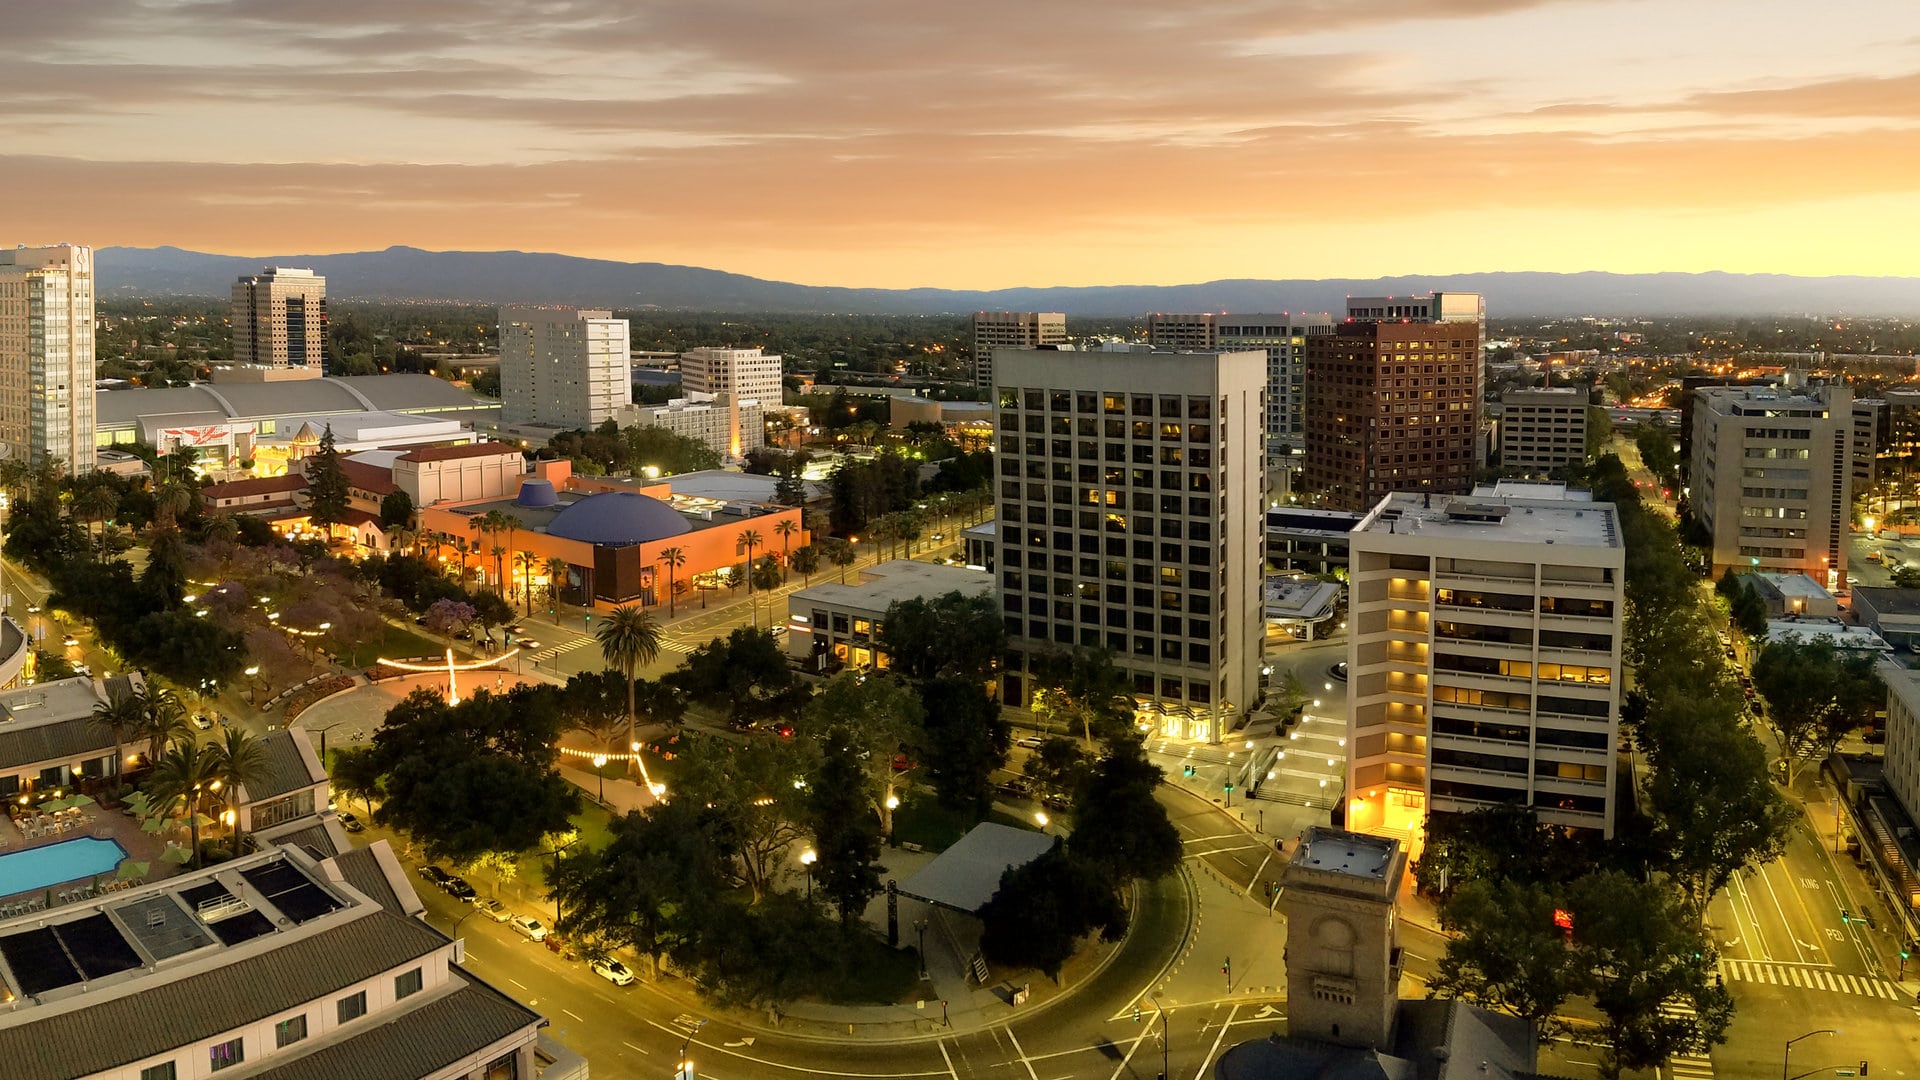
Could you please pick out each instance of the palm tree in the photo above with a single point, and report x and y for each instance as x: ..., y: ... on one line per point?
x: 95, y: 505
x: 556, y: 579
x: 840, y: 554
x: 499, y: 578
x: 507, y: 522
x: 460, y: 545
x: 766, y: 574
x: 629, y: 638
x: 121, y: 716
x: 807, y: 560
x: 750, y: 539
x: 163, y: 721
x: 183, y: 777
x: 786, y: 528
x: 526, y: 561
x: 673, y: 558
x: 239, y: 759
x: 480, y: 525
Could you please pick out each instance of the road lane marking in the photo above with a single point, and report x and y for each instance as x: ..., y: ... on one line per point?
x: 514, y: 981
x: 948, y: 1058
x: 718, y: 1049
x: 575, y: 1015
x: 1032, y: 1075
x: 1261, y: 870
x: 1217, y: 1040
x: 1786, y: 924
x: 1118, y: 1069
x: 630, y: 1046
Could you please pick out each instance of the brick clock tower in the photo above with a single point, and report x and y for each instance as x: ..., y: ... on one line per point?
x: 1343, y: 954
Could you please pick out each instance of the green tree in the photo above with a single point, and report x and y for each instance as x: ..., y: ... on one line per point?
x: 1816, y: 693
x: 807, y: 561
x: 1658, y: 452
x: 1292, y: 694
x: 956, y: 634
x: 878, y: 713
x: 1729, y: 587
x: 1040, y: 912
x: 327, y: 499
x: 1506, y: 952
x: 672, y: 558
x: 846, y: 836
x: 1907, y: 577
x: 1085, y: 689
x: 356, y: 774
x: 183, y: 779
x: 748, y: 672
x: 749, y: 789
x: 1749, y: 613
x: 396, y: 510
x: 1119, y: 826
x: 1059, y: 766
x: 1636, y: 951
x: 963, y: 740
x: 628, y: 638
x: 645, y: 889
x: 239, y: 760
x: 1715, y: 811
x: 163, y: 721
x: 121, y: 716
x: 840, y: 554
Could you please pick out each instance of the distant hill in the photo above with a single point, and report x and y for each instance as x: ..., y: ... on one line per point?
x: 404, y: 273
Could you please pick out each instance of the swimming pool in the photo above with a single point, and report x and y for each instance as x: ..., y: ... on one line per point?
x: 69, y: 860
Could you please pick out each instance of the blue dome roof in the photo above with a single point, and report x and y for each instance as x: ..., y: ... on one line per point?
x: 536, y: 494
x: 618, y: 518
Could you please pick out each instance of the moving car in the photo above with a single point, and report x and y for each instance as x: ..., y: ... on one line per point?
x: 352, y: 824
x: 529, y: 644
x: 70, y: 641
x: 613, y: 971
x: 458, y: 888
x: 492, y: 909
x: 528, y: 927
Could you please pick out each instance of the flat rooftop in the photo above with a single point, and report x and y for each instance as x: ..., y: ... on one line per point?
x: 1796, y: 585
x: 1889, y: 601
x: 63, y: 699
x: 894, y: 581
x: 1496, y: 519
x: 1844, y: 636
x: 1336, y: 851
x: 1551, y: 490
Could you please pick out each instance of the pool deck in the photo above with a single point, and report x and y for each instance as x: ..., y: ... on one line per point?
x: 109, y: 823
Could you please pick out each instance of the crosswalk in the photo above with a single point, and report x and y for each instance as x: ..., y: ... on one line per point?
x: 1810, y: 977
x: 1689, y: 1066
x: 552, y: 651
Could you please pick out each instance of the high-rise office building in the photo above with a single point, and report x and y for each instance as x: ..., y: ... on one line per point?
x: 562, y: 367
x: 1484, y: 663
x: 1393, y: 399
x: 1129, y: 515
x: 46, y: 354
x: 1012, y: 330
x: 1281, y: 335
x: 1868, y: 415
x: 1772, y: 478
x: 279, y: 318
x: 747, y: 374
x: 1543, y: 429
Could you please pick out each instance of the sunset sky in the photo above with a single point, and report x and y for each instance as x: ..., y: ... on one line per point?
x: 981, y: 144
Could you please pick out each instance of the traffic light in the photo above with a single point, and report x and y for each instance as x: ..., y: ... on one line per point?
x: 1136, y: 1012
x: 1186, y: 770
x: 1845, y: 916
x: 1906, y: 950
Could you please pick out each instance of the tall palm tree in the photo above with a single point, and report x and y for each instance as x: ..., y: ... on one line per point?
x: 460, y: 545
x: 481, y: 525
x: 750, y: 539
x: 506, y: 522
x: 556, y: 580
x: 95, y: 505
x: 629, y: 638
x: 163, y: 721
x: 525, y: 561
x: 184, y: 777
x: 840, y: 554
x: 786, y: 528
x: 673, y: 558
x: 121, y: 716
x: 499, y: 578
x: 238, y: 759
x: 807, y: 560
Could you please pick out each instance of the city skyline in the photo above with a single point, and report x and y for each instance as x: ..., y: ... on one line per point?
x: 987, y: 147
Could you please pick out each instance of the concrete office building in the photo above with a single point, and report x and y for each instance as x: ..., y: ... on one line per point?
x: 1011, y: 330
x: 747, y: 374
x: 1868, y: 414
x: 1343, y: 959
x: 1130, y: 518
x: 279, y: 318
x: 1393, y: 400
x: 1543, y: 430
x: 732, y: 427
x: 562, y: 367
x: 1772, y: 478
x: 46, y: 355
x: 1484, y: 662
x: 1282, y: 336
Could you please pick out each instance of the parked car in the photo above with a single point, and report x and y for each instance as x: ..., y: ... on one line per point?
x: 202, y: 723
x: 516, y: 629
x: 419, y: 620
x: 458, y: 888
x: 613, y: 971
x: 528, y: 927
x: 492, y: 909
x: 464, y: 634
x: 1031, y: 742
x: 82, y: 669
x: 434, y: 874
x: 352, y: 824
x: 783, y: 729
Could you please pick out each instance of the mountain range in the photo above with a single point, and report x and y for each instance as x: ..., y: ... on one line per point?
x: 405, y: 273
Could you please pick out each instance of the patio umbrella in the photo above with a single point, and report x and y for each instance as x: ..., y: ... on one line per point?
x: 81, y: 800
x: 177, y: 854
x: 155, y: 825
x: 139, y: 803
x: 56, y: 804
x: 201, y: 820
x: 131, y: 869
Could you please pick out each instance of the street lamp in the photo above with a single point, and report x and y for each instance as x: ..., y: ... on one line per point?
x: 1788, y: 1055
x: 686, y: 1064
x: 253, y: 691
x: 1166, y: 1041
x: 807, y: 858
x: 599, y: 769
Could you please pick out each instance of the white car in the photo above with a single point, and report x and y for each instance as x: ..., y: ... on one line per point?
x: 202, y: 723
x: 613, y: 971
x: 528, y: 927
x: 493, y: 909
x: 1031, y: 742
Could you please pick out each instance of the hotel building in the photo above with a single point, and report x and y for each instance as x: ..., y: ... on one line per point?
x: 563, y: 368
x: 1012, y: 330
x: 46, y: 355
x: 279, y: 319
x: 1772, y: 478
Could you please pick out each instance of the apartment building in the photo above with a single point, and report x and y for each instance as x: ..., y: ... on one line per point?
x: 733, y: 427
x: 1130, y: 518
x: 1282, y: 336
x: 1012, y: 330
x: 1868, y: 416
x: 279, y: 318
x: 747, y: 374
x: 1772, y: 478
x: 563, y: 367
x: 1484, y: 662
x: 1543, y: 430
x: 46, y: 355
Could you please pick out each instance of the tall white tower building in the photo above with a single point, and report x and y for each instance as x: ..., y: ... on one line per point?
x: 46, y: 354
x: 1011, y: 330
x: 747, y: 374
x: 1129, y: 512
x: 562, y: 367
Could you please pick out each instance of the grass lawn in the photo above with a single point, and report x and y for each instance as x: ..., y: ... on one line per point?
x: 920, y: 819
x: 872, y: 975
x: 396, y: 643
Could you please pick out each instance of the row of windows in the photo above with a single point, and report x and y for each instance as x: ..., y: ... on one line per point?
x: 230, y: 1052
x: 1088, y: 521
x: 1140, y: 430
x: 1773, y: 493
x: 1087, y: 450
x: 1088, y: 402
x: 1114, y: 547
x: 1521, y: 669
x: 1544, y: 800
x: 1170, y: 650
x: 1142, y: 501
x: 1170, y: 577
x: 1107, y: 476
x: 1038, y: 603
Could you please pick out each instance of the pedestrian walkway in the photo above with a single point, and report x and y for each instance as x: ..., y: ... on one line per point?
x: 1686, y: 1066
x: 552, y: 651
x: 1810, y: 977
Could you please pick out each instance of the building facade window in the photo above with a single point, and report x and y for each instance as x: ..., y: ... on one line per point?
x: 353, y: 1007
x: 289, y: 1031
x: 162, y: 1071
x: 227, y: 1054
x: 407, y: 983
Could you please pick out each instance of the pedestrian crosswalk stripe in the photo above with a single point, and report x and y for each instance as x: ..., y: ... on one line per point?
x: 1809, y: 978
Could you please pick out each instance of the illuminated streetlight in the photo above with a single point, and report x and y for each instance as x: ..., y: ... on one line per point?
x: 599, y: 768
x: 807, y: 858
